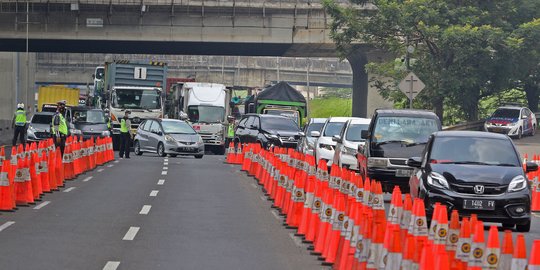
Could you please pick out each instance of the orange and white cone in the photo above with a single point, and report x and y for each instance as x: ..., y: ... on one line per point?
x: 534, y: 261
x: 394, y: 257
x: 463, y: 245
x: 519, y: 261
x: 506, y: 251
x: 493, y: 250
x: 478, y: 248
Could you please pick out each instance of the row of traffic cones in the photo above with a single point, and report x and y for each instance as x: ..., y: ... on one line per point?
x: 343, y: 218
x: 38, y: 168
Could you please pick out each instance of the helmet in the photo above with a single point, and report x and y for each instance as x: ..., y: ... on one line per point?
x: 20, y: 106
x: 61, y: 102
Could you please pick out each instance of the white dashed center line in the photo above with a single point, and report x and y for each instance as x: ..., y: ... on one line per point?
x: 154, y: 193
x: 41, y: 205
x: 145, y: 210
x: 87, y: 179
x: 116, y: 161
x: 276, y: 215
x: 5, y: 225
x: 262, y: 198
x: 111, y: 265
x: 110, y: 166
x: 165, y: 163
x: 164, y: 173
x: 253, y: 185
x: 166, y: 160
x: 131, y: 233
x: 160, y: 182
x: 100, y: 170
x: 297, y: 241
x: 165, y: 168
x: 69, y: 189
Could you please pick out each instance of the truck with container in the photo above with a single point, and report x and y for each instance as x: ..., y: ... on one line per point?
x: 136, y: 86
x: 206, y: 106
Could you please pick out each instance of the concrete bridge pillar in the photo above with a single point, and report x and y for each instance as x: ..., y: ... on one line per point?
x: 358, y: 61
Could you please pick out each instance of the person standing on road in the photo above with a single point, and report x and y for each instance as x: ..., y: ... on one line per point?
x: 59, y: 128
x: 230, y: 131
x: 19, y: 125
x: 125, y: 135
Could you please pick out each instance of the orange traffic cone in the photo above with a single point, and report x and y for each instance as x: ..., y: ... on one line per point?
x: 534, y: 261
x: 394, y: 257
x: 453, y: 236
x: 44, y: 175
x: 7, y: 202
x: 35, y: 176
x: 23, y: 184
x: 408, y: 253
x: 519, y: 261
x: 434, y: 221
x: 60, y: 177
x: 2, y: 154
x: 506, y: 251
x: 441, y: 230
x: 427, y: 256
x: 478, y: 248
x: 463, y: 245
x: 442, y: 261
x: 493, y: 250
x: 228, y: 153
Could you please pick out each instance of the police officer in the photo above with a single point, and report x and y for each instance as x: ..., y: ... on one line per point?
x: 108, y: 118
x: 125, y: 135
x: 230, y: 131
x: 19, y: 125
x: 59, y: 127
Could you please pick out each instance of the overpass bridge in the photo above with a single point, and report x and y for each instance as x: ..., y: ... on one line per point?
x: 169, y: 27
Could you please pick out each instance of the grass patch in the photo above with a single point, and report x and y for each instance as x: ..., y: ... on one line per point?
x: 327, y: 107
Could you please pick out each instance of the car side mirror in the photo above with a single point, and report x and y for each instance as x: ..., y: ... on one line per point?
x: 315, y: 134
x: 301, y: 134
x: 336, y: 138
x: 531, y: 166
x: 415, y: 162
x: 364, y: 134
x: 252, y: 127
x: 524, y: 117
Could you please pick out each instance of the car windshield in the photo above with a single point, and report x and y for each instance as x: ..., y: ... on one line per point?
x: 506, y: 113
x: 409, y: 130
x: 333, y: 128
x: 206, y: 114
x: 41, y: 119
x: 467, y: 150
x: 314, y: 127
x: 274, y: 123
x: 90, y: 117
x: 136, y: 99
x: 287, y: 113
x: 354, y: 132
x: 177, y: 127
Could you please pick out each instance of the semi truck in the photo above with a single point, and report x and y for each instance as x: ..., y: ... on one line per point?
x: 136, y: 86
x: 206, y: 107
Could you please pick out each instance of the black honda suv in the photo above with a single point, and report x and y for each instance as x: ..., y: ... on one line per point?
x: 268, y: 130
x: 475, y: 173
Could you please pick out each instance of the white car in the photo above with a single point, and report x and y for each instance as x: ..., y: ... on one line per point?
x: 348, y: 142
x: 513, y: 121
x: 324, y: 146
x: 306, y: 144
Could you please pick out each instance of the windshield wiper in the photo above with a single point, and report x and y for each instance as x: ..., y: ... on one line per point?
x: 415, y: 143
x: 390, y: 141
x: 505, y: 164
x: 466, y: 162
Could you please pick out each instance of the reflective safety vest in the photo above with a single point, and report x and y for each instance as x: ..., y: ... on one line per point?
x: 20, y: 117
x: 230, y: 131
x: 109, y: 124
x: 62, y: 126
x: 123, y: 126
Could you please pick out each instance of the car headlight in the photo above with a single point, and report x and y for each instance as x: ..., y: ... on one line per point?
x: 271, y: 136
x: 437, y: 180
x: 326, y: 146
x: 349, y: 151
x: 518, y: 183
x: 377, y: 162
x: 105, y: 133
x: 75, y: 131
x: 168, y: 138
x: 512, y: 124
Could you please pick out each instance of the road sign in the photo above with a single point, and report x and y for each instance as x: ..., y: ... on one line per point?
x: 411, y: 85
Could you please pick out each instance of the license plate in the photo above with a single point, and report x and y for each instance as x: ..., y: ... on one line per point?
x: 403, y: 173
x: 186, y: 149
x: 479, y: 204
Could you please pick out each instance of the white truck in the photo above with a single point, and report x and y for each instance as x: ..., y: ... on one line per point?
x: 206, y: 106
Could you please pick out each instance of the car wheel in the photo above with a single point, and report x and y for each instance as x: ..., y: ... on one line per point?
x: 198, y: 156
x: 533, y: 130
x: 173, y: 155
x: 137, y: 148
x: 524, y: 227
x: 520, y: 134
x: 161, y: 150
x: 508, y: 225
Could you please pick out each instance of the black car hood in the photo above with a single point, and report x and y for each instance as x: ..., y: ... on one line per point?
x: 86, y: 127
x: 463, y: 174
x: 282, y: 133
x: 397, y: 150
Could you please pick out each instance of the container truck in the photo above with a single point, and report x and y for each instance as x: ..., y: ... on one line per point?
x: 206, y: 106
x: 50, y: 95
x: 136, y: 86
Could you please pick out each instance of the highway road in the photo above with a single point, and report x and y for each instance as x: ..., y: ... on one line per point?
x: 161, y: 213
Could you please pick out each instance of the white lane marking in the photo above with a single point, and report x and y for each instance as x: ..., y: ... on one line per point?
x: 165, y: 163
x: 87, y: 179
x: 69, y: 189
x: 164, y: 173
x: 253, y: 185
x: 154, y: 193
x: 536, y: 215
x: 5, y: 225
x: 263, y: 198
x: 110, y: 265
x: 110, y: 166
x: 100, y: 170
x: 160, y: 182
x: 116, y: 161
x: 165, y: 168
x: 276, y: 215
x: 131, y: 233
x: 166, y: 160
x: 145, y: 210
x: 297, y: 241
x: 41, y: 205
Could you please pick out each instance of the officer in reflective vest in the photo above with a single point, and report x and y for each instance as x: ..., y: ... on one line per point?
x: 19, y: 125
x: 59, y: 128
x: 108, y: 118
x: 230, y: 131
x: 125, y: 135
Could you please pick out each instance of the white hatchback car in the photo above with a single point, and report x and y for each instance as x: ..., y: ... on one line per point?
x: 324, y: 146
x: 513, y: 121
x: 348, y: 142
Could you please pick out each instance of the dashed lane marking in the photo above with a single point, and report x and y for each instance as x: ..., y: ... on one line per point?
x: 5, y: 225
x: 145, y: 210
x: 276, y: 215
x: 116, y: 161
x: 131, y: 233
x: 262, y: 198
x: 165, y: 168
x: 110, y: 166
x: 253, y: 185
x: 100, y: 170
x: 69, y: 189
x: 164, y: 173
x: 154, y: 193
x: 160, y: 182
x: 41, y: 205
x: 110, y: 265
x: 535, y: 214
x: 87, y: 178
x: 165, y: 163
x: 297, y: 241
x: 166, y: 160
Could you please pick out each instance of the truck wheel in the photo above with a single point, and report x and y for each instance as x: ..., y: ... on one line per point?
x: 161, y: 150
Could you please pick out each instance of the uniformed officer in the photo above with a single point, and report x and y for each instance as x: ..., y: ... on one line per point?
x: 59, y: 127
x: 108, y: 115
x: 19, y: 125
x: 125, y: 135
x: 230, y: 131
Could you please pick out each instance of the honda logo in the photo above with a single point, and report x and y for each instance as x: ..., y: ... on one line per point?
x: 479, y: 189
